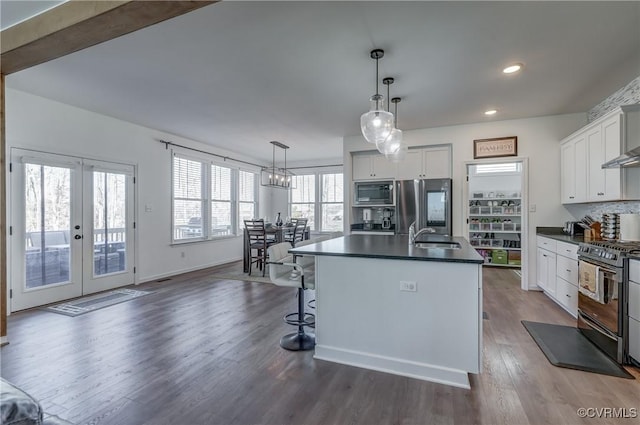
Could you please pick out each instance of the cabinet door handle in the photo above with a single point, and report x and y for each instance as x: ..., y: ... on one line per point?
x: 568, y: 295
x: 569, y: 270
x: 571, y: 197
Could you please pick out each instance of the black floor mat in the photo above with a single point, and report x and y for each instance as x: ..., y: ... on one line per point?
x: 565, y: 346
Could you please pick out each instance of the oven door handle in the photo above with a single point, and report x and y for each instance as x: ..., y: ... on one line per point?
x: 602, y: 268
x: 595, y: 326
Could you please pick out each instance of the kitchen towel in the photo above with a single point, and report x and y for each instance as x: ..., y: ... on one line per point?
x: 588, y: 281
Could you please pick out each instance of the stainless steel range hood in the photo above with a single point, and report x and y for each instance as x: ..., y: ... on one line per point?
x: 628, y: 159
x: 631, y: 139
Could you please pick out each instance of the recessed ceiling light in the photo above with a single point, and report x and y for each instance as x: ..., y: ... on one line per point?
x: 491, y: 112
x: 512, y: 68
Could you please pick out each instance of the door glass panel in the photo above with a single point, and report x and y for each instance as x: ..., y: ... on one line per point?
x: 436, y: 205
x: 109, y: 223
x: 47, y: 223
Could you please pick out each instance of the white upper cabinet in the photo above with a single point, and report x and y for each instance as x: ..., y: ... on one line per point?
x: 373, y: 167
x: 584, y: 152
x: 426, y: 163
x: 420, y: 163
x: 573, y: 155
x: 612, y: 144
x: 568, y: 164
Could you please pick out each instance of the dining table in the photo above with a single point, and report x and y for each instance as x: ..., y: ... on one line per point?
x: 275, y: 233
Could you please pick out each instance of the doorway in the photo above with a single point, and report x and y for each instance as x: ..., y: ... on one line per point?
x: 72, y: 227
x: 496, y: 213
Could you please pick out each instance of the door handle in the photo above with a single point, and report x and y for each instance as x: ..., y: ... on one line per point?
x: 77, y: 237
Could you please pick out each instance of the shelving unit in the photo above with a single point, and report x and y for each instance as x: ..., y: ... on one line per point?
x: 495, y: 227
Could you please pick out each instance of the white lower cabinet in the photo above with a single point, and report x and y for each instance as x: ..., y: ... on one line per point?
x: 547, y: 271
x: 558, y: 272
x: 567, y: 296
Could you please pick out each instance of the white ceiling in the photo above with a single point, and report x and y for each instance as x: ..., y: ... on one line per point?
x: 239, y: 74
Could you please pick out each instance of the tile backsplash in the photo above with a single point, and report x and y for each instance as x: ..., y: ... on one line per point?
x: 596, y: 210
x: 627, y: 95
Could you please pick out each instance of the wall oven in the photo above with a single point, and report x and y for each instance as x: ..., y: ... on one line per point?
x: 373, y: 193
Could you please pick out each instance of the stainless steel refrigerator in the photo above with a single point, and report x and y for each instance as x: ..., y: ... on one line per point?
x: 427, y: 202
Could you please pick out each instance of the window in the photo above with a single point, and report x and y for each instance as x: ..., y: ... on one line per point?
x: 319, y: 197
x: 187, y: 198
x: 497, y: 168
x: 303, y: 198
x: 331, y: 207
x: 210, y: 200
x: 221, y: 202
x: 246, y: 197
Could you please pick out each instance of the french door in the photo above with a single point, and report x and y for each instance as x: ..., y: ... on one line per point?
x: 72, y: 227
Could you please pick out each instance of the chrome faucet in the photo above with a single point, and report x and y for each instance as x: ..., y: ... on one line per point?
x: 413, y: 235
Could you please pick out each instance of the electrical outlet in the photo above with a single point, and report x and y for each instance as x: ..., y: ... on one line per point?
x: 409, y: 286
x: 532, y: 208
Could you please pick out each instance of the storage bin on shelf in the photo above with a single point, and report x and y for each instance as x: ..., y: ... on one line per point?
x: 514, y: 258
x: 499, y: 256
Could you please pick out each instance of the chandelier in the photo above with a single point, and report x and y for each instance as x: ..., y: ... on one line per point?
x: 273, y: 176
x: 376, y: 125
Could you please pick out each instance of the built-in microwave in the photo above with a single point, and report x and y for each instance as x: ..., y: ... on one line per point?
x: 373, y: 193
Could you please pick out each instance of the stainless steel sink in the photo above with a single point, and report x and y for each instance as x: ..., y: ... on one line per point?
x: 441, y: 245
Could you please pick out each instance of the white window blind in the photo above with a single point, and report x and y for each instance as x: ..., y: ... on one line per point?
x: 221, y: 202
x: 246, y: 196
x: 498, y: 168
x: 187, y: 198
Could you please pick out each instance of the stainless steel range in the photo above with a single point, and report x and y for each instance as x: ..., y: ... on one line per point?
x: 603, y: 287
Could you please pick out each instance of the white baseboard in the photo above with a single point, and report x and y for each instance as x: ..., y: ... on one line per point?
x: 423, y: 371
x: 187, y: 270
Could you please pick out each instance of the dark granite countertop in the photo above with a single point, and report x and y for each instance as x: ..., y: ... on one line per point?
x: 556, y: 233
x: 392, y: 247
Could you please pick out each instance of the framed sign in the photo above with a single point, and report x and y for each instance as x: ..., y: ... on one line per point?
x: 494, y: 148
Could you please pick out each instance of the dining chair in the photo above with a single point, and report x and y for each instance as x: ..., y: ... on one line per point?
x: 257, y: 244
x: 299, y: 227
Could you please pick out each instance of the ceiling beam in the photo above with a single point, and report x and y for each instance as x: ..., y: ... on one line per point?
x: 78, y: 24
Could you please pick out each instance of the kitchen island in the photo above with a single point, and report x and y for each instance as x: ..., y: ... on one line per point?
x: 382, y: 304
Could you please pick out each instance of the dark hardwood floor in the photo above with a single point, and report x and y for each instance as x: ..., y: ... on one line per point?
x: 205, y: 351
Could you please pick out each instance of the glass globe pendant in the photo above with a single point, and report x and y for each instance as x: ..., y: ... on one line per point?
x: 397, y: 149
x: 376, y: 125
x: 393, y: 141
x: 391, y: 144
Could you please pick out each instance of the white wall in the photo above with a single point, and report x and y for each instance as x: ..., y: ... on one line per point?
x: 34, y: 122
x: 538, y: 140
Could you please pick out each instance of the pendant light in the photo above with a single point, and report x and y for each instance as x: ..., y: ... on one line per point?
x: 376, y: 124
x: 392, y: 143
x: 273, y: 176
x: 398, y: 148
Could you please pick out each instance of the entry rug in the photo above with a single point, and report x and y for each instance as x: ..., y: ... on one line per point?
x: 566, y: 346
x: 95, y: 302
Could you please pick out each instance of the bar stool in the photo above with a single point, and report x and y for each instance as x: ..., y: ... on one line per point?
x: 283, y: 272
